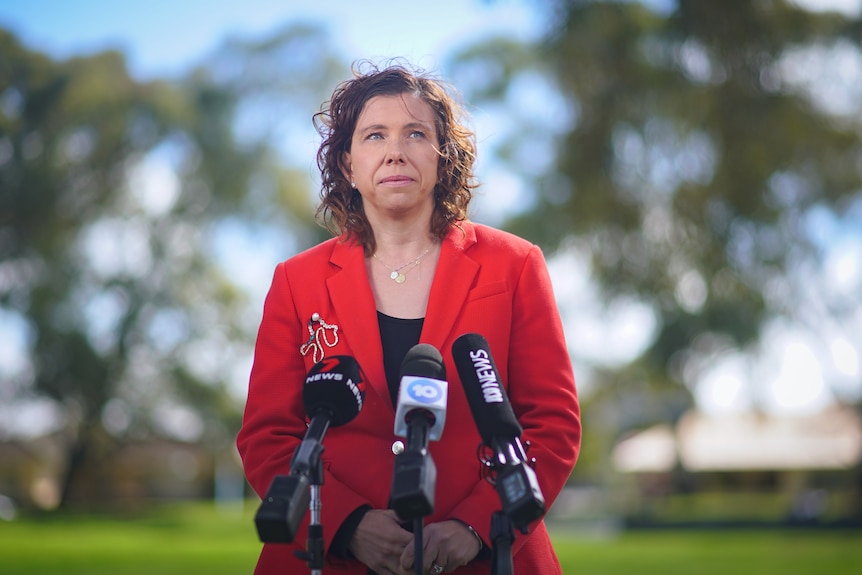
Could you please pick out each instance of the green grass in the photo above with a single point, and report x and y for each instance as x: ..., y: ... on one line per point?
x: 201, y: 539
x: 181, y: 540
x: 719, y: 552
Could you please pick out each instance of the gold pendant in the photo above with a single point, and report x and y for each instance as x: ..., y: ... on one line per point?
x: 398, y: 277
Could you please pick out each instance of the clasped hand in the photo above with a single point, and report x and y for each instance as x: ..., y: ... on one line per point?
x: 382, y: 544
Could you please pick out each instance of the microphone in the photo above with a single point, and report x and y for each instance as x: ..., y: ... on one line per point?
x: 334, y: 389
x: 332, y: 395
x: 419, y: 416
x: 423, y: 390
x: 515, y: 481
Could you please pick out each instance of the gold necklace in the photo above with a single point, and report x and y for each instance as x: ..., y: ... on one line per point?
x: 395, y: 274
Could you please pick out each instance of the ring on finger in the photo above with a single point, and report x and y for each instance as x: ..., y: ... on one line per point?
x: 436, y: 569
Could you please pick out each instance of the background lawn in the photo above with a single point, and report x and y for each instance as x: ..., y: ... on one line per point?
x: 202, y: 539
x: 719, y: 552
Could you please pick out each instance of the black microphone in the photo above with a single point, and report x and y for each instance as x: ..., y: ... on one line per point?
x: 332, y: 395
x: 514, y: 479
x: 419, y: 416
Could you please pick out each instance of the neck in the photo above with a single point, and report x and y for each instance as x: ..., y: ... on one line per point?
x: 400, y: 255
x: 402, y: 242
x: 396, y: 231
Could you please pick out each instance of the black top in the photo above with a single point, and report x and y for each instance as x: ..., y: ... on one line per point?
x: 397, y: 336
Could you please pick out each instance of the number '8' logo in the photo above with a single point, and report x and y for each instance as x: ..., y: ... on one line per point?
x: 425, y: 391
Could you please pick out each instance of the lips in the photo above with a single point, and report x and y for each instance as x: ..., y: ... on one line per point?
x: 396, y: 180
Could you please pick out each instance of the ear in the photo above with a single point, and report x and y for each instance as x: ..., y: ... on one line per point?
x: 346, y: 166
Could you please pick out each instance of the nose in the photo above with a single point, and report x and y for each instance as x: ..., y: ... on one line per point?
x: 394, y: 155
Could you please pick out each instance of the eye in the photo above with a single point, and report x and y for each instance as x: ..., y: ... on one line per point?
x: 417, y: 134
x: 374, y: 136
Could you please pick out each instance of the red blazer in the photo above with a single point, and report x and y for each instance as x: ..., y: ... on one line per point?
x: 487, y: 282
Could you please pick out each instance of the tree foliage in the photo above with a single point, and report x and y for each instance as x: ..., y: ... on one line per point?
x: 113, y: 196
x: 690, y: 164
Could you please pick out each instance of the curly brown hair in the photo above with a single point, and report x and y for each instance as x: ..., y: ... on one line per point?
x: 341, y: 208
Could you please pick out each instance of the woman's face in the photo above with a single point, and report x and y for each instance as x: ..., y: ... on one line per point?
x: 393, y: 157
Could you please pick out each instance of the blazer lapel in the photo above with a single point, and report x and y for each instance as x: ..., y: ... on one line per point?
x: 350, y: 292
x: 452, y: 280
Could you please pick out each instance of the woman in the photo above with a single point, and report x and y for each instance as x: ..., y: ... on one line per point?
x: 406, y: 266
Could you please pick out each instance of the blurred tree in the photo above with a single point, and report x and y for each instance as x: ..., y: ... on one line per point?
x: 120, y: 204
x: 684, y: 154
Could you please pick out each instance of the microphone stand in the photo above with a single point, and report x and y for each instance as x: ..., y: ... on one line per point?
x: 413, y: 482
x: 417, y: 440
x: 311, y: 464
x: 502, y: 536
x: 315, y: 528
x: 418, y: 546
x: 521, y: 498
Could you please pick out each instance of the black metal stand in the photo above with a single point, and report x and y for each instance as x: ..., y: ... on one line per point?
x: 418, y: 546
x: 502, y: 536
x: 314, y: 550
x: 414, y: 479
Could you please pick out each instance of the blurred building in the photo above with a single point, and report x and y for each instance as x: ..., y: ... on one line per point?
x: 748, y: 466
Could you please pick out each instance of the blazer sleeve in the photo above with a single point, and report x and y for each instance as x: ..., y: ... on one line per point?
x: 274, y: 419
x: 541, y: 380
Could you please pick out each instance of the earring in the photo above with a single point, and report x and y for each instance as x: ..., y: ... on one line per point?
x: 352, y: 184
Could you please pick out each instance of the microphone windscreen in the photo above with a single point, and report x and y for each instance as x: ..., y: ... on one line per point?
x: 423, y: 360
x: 486, y: 396
x: 422, y: 387
x: 334, y: 387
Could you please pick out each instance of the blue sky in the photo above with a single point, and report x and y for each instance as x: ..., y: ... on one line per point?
x: 163, y: 37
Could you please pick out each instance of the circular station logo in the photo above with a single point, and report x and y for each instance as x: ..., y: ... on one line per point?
x: 425, y: 390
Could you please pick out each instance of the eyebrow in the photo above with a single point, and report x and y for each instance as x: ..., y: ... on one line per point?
x: 408, y: 126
